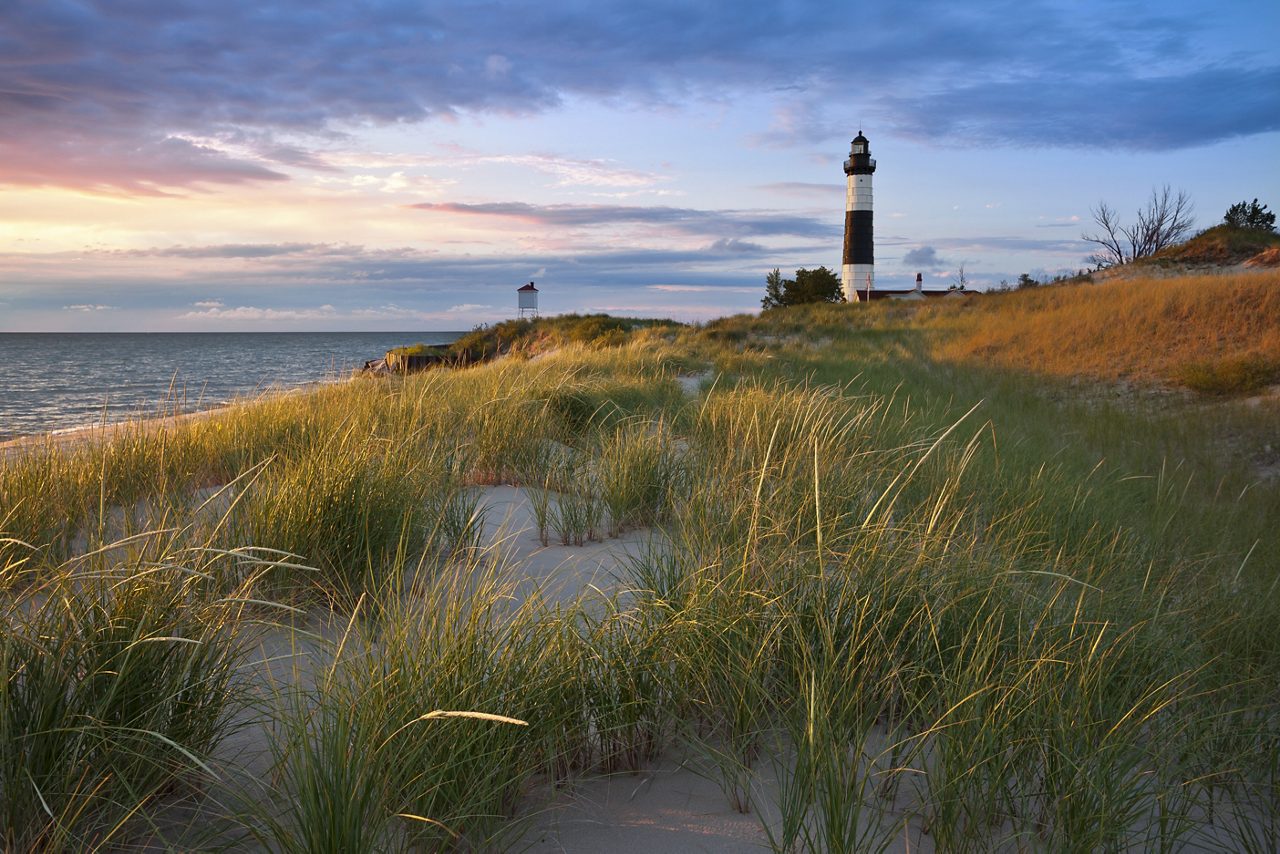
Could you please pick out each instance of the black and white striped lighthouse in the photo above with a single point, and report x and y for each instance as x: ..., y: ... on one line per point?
x: 858, y: 270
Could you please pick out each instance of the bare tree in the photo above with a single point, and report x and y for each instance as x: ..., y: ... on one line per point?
x: 1111, y: 251
x: 1165, y: 221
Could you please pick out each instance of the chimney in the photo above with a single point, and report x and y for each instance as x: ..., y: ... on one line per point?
x: 919, y: 283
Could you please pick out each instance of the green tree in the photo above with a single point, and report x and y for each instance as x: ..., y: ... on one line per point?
x: 820, y: 285
x: 1250, y: 215
x: 774, y: 290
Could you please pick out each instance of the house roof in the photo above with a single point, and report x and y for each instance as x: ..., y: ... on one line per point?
x: 528, y: 287
x: 886, y: 293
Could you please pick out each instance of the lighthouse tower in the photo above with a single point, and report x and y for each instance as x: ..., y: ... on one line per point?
x: 527, y: 297
x: 857, y: 272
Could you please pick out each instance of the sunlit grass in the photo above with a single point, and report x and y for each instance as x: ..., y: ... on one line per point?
x: 118, y: 679
x: 914, y: 595
x: 1181, y: 330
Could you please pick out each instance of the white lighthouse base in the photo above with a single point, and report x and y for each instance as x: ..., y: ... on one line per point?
x: 854, y: 279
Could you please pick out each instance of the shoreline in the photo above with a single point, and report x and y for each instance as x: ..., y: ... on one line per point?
x: 58, y: 384
x: 98, y: 432
x: 103, y: 431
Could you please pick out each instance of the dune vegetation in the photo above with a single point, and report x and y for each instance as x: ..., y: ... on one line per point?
x: 921, y: 588
x: 1209, y: 332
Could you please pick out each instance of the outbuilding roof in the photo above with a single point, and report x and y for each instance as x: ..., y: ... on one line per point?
x: 899, y: 293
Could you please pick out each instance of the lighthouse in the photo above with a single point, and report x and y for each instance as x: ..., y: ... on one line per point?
x: 527, y: 297
x: 857, y: 271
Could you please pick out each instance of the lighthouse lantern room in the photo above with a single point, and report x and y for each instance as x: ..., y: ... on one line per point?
x: 857, y: 271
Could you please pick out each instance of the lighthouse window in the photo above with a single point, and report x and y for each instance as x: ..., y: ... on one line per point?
x: 859, y: 148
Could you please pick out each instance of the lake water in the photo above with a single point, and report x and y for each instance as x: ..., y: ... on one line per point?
x: 60, y: 381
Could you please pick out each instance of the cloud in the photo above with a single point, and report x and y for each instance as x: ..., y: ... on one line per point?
x: 924, y: 256
x: 701, y: 289
x: 89, y: 307
x: 733, y: 246
x: 214, y: 312
x: 497, y: 65
x: 690, y: 221
x: 572, y: 172
x: 568, y: 171
x: 804, y: 119
x: 1072, y: 221
x: 718, y: 260
x: 108, y: 160
x: 357, y: 287
x: 1008, y: 243
x: 151, y: 97
x: 1100, y: 111
x: 231, y: 250
x: 255, y: 314
x: 802, y: 189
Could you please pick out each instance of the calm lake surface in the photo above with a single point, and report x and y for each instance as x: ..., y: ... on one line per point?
x: 60, y: 381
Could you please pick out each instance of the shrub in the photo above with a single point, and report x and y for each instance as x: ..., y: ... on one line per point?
x: 1231, y: 375
x: 1250, y: 215
x: 418, y: 350
x: 820, y: 285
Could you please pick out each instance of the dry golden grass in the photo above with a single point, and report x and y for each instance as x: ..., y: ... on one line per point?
x: 1215, y: 332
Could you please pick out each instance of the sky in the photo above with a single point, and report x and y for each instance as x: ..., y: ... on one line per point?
x: 394, y: 165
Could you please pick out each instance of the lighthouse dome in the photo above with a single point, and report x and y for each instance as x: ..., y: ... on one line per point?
x: 859, y: 162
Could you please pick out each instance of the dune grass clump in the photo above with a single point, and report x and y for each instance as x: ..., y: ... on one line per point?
x: 455, y: 517
x: 346, y: 514
x: 427, y: 726
x: 606, y: 403
x: 576, y: 513
x: 420, y: 349
x: 1230, y: 376
x: 638, y: 471
x: 531, y: 336
x: 117, y: 681
x: 42, y: 504
x: 885, y: 688
x: 626, y: 687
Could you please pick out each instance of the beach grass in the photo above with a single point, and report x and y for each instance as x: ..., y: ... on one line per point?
x: 120, y: 679
x: 889, y: 591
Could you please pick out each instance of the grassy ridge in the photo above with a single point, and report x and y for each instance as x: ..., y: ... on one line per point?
x: 913, y: 592
x: 1210, y: 332
x: 1220, y: 245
